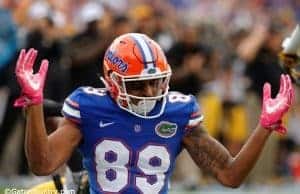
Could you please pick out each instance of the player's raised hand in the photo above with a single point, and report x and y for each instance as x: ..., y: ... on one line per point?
x: 273, y: 109
x: 32, y: 84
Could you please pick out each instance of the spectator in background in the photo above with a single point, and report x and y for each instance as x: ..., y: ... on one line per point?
x: 264, y: 67
x: 8, y: 49
x: 155, y: 22
x: 121, y: 25
x: 44, y: 35
x: 84, y: 65
x: 8, y: 41
x: 188, y: 76
x: 165, y: 31
x: 116, y: 25
x: 143, y: 16
x: 187, y: 58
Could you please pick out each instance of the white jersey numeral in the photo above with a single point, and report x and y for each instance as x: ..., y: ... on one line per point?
x: 111, y: 160
x: 95, y: 91
x: 178, y: 97
x: 153, y: 161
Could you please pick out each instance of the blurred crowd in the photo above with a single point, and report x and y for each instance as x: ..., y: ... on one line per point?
x: 220, y: 51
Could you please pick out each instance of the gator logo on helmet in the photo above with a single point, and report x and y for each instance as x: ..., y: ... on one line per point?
x: 151, y: 71
x: 166, y: 129
x: 117, y: 61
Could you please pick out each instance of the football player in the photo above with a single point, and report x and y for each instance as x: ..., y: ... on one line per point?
x: 290, y: 61
x: 290, y: 55
x: 131, y: 132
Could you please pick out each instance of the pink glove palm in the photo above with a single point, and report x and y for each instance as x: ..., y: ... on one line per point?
x: 32, y: 85
x: 274, y: 109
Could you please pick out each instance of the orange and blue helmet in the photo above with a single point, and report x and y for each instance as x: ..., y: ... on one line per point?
x: 135, y: 57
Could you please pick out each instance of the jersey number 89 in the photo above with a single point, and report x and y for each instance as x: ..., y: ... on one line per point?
x: 113, y: 157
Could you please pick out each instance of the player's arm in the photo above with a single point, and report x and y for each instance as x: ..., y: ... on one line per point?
x: 44, y: 153
x: 214, y: 157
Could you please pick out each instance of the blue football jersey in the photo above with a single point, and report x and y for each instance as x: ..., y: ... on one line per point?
x: 124, y: 153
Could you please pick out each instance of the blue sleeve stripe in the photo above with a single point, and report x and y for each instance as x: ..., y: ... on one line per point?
x: 70, y: 111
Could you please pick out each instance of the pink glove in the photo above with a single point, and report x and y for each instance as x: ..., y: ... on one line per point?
x: 274, y: 109
x: 31, y: 84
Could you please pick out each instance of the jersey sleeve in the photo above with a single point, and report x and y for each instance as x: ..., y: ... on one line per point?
x: 195, y: 115
x: 71, y: 107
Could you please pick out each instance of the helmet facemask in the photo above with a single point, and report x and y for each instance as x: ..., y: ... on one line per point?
x: 141, y: 106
